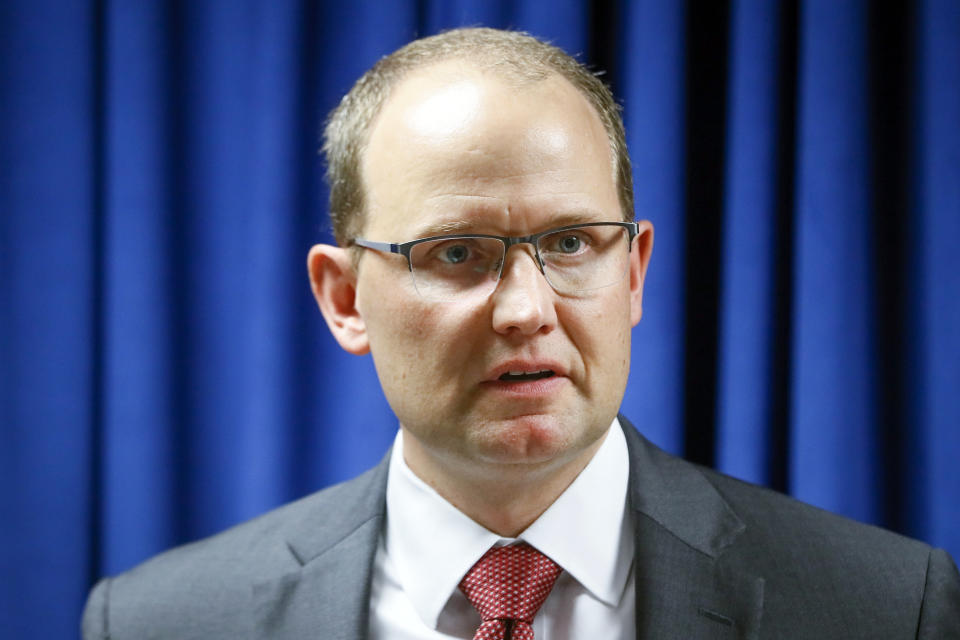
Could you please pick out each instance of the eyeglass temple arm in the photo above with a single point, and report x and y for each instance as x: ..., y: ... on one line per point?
x: 388, y: 247
x: 633, y: 230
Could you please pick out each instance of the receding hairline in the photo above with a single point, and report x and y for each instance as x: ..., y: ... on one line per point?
x: 513, y: 57
x: 457, y: 70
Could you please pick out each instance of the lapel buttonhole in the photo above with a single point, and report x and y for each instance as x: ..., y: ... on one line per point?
x: 716, y: 617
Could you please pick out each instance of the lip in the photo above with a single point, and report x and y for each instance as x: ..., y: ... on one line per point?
x: 526, y: 389
x: 539, y: 390
x: 525, y: 365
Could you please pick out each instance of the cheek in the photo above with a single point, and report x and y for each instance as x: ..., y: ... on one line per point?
x: 398, y: 333
x: 416, y: 346
x: 601, y: 323
x: 600, y: 330
x: 421, y: 356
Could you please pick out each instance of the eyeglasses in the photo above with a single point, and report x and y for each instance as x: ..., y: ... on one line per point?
x: 574, y: 259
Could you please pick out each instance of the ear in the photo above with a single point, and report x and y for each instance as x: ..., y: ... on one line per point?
x: 639, y: 259
x: 334, y: 283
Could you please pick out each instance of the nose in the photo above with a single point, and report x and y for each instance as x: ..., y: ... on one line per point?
x: 523, y: 301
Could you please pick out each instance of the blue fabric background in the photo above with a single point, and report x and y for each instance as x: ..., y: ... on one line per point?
x: 164, y: 372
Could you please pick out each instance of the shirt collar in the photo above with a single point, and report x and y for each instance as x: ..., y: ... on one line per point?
x: 586, y: 531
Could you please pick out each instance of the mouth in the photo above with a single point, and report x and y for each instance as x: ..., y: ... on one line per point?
x: 527, y: 380
x: 520, y: 376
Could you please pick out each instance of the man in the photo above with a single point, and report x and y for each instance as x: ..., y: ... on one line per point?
x: 489, y: 262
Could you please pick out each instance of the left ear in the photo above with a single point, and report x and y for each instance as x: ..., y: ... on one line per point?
x: 639, y: 259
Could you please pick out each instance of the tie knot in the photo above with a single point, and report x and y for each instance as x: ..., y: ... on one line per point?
x: 510, y: 582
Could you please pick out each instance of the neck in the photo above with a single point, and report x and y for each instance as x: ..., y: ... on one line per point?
x: 504, y: 498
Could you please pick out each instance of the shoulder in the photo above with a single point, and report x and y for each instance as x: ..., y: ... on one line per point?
x: 788, y: 525
x: 817, y: 564
x: 207, y: 584
x: 771, y: 521
x: 772, y: 514
x: 818, y: 570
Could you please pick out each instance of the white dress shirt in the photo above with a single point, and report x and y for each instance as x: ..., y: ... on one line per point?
x: 428, y: 545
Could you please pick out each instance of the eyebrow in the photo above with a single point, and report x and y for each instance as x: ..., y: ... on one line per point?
x: 453, y: 227
x: 445, y: 228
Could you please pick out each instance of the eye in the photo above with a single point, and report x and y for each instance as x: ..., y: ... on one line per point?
x: 455, y: 254
x: 569, y: 244
x: 573, y: 242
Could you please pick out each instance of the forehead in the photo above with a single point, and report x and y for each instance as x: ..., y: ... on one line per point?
x: 454, y: 141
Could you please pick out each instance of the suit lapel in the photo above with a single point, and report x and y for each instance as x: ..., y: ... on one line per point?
x: 682, y: 529
x: 325, y: 590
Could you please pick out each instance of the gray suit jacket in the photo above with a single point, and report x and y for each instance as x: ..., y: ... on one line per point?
x: 715, y: 558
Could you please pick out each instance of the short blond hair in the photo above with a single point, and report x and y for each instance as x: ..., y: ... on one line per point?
x: 512, y: 54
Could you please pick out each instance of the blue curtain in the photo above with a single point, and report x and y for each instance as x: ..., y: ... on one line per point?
x: 164, y: 372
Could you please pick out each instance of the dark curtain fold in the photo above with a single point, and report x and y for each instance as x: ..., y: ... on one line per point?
x: 164, y: 372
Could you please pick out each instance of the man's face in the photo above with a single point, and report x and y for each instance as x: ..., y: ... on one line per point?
x: 456, y: 150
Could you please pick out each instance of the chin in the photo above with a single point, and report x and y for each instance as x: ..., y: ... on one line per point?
x: 529, y: 439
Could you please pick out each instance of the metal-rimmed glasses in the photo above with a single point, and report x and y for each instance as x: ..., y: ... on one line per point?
x: 574, y: 259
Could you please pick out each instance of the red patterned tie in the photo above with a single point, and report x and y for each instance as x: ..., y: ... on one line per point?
x: 506, y: 587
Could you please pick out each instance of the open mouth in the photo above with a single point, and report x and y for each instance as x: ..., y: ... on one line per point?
x: 517, y: 376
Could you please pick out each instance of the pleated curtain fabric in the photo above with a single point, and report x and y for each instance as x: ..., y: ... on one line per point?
x: 165, y: 373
